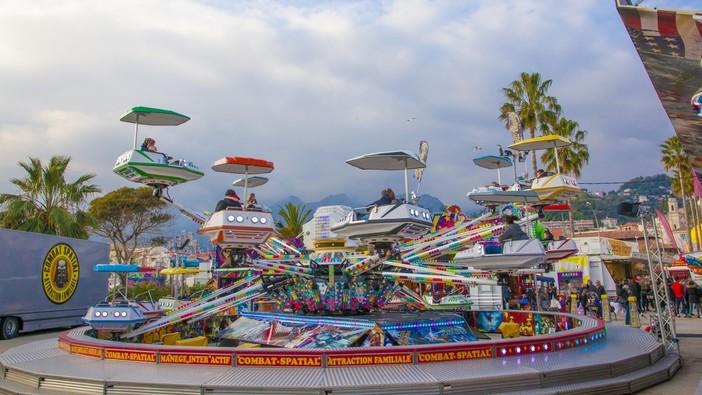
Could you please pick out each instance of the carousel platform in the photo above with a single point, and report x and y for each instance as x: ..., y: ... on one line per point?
x: 626, y: 360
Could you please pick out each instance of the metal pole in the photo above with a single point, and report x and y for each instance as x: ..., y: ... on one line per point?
x: 597, y: 223
x: 659, y: 281
x: 136, y: 130
x: 407, y: 197
x: 555, y: 153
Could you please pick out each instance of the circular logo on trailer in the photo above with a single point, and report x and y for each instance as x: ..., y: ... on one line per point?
x: 60, y: 272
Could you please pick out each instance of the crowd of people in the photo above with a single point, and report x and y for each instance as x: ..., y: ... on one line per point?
x: 637, y: 293
x: 683, y: 296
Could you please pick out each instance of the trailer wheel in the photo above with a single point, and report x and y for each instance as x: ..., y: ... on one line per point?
x: 9, y: 328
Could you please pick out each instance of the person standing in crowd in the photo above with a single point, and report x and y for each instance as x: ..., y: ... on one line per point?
x: 623, y: 299
x: 671, y: 297
x: 582, y: 301
x: 531, y: 297
x: 679, y: 294
x: 692, y: 293
x: 645, y: 294
x: 600, y: 289
x: 551, y: 291
x: 506, y: 296
x: 590, y: 286
x: 635, y: 291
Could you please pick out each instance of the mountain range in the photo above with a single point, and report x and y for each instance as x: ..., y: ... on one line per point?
x: 652, y: 189
x: 427, y: 201
x: 181, y: 223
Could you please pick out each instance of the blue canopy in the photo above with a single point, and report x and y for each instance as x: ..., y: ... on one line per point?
x: 117, y: 268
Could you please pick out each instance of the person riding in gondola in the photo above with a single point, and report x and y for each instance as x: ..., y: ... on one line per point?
x: 387, y: 196
x: 251, y: 201
x: 548, y: 236
x: 231, y: 199
x: 149, y: 145
x: 512, y: 230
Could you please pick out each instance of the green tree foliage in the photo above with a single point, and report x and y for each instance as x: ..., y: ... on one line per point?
x: 126, y: 215
x: 294, y: 216
x: 198, y: 290
x: 658, y: 185
x: 47, y: 203
x: 573, y: 157
x: 674, y: 159
x: 528, y: 97
x: 142, y: 290
x: 655, y: 187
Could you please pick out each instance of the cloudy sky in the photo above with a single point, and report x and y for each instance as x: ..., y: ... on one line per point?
x: 310, y: 84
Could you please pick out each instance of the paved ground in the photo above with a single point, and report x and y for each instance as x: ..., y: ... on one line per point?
x: 24, y: 338
x: 688, y: 380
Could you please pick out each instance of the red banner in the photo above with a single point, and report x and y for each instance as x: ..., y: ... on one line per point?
x: 696, y: 184
x: 668, y: 231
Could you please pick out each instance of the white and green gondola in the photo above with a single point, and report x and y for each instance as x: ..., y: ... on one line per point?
x: 155, y: 169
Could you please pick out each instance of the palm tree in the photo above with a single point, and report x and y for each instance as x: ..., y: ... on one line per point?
x: 688, y: 189
x: 528, y: 98
x: 675, y: 159
x: 294, y: 216
x: 47, y: 203
x: 573, y: 157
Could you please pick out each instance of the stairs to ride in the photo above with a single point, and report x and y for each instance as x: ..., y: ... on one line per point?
x: 628, y: 361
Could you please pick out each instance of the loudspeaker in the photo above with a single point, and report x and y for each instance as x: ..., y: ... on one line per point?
x: 628, y: 209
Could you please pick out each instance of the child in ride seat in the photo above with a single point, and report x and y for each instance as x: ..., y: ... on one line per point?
x: 149, y: 145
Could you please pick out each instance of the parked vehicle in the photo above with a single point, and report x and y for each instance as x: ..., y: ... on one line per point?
x: 47, y: 281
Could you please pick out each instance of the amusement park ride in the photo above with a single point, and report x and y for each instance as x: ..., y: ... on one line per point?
x: 246, y: 226
x: 369, y: 259
x: 334, y: 325
x: 154, y: 168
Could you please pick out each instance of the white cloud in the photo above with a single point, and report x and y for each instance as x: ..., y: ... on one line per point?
x: 308, y: 85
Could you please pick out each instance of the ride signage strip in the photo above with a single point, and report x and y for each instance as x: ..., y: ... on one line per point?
x: 195, y: 359
x: 133, y: 356
x: 278, y: 360
x: 454, y: 355
x: 382, y: 359
x: 85, y: 350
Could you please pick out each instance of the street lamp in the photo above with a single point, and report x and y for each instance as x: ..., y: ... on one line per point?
x: 597, y: 223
